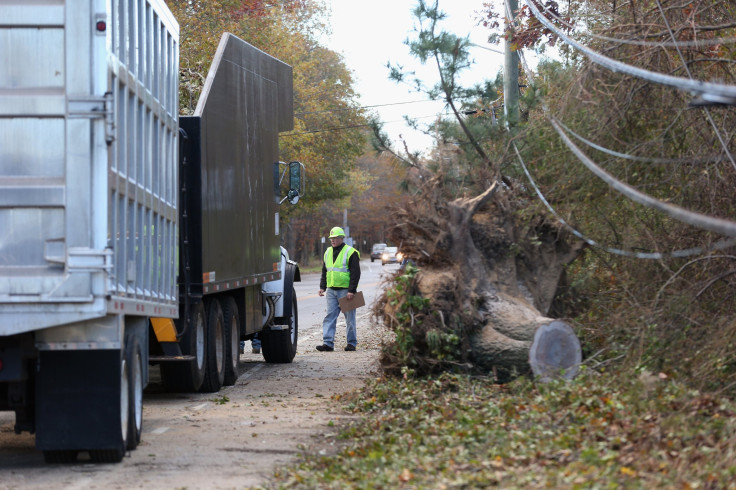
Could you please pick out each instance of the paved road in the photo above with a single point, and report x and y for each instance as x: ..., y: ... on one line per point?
x: 238, y: 436
x: 312, y: 307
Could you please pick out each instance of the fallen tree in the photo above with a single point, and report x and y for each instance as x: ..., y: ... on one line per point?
x: 481, y: 290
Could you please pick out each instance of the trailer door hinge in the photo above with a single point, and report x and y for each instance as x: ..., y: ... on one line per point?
x: 109, y: 119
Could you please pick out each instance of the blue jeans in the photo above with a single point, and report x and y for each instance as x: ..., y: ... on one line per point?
x: 255, y: 343
x: 329, y: 325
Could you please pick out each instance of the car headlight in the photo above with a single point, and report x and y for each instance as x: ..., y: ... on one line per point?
x: 399, y: 256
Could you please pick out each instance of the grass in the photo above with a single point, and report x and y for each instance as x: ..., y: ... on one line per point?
x: 599, y: 431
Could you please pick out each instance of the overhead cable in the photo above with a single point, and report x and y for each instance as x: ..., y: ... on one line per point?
x: 666, y: 44
x: 690, y: 75
x: 635, y: 158
x: 354, y: 126
x: 709, y: 91
x: 365, y: 107
x: 702, y: 221
x: 720, y: 245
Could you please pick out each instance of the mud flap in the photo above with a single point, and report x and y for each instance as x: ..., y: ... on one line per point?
x: 78, y: 400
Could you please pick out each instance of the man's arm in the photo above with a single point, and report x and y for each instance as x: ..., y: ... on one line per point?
x: 323, y: 280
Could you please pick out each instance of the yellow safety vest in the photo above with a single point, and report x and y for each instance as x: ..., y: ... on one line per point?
x: 338, y: 275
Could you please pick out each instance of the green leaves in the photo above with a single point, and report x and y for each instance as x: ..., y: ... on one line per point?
x: 424, y: 342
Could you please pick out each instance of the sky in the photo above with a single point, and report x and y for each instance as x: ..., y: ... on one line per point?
x: 371, y: 34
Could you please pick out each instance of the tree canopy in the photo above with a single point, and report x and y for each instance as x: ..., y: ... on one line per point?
x: 324, y: 97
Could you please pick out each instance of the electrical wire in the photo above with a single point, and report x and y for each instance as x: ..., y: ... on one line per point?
x: 366, y: 107
x: 340, y: 128
x: 626, y: 156
x: 720, y: 245
x: 704, y: 222
x: 709, y: 91
x: 674, y: 44
x: 690, y: 75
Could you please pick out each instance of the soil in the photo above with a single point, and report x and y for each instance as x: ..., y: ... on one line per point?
x: 235, y: 438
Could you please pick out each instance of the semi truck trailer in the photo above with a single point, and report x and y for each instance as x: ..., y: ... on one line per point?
x: 133, y: 239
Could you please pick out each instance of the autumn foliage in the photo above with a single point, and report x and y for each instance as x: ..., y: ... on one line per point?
x: 324, y: 98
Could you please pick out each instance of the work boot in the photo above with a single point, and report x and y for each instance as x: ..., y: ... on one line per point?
x: 325, y: 348
x: 349, y: 348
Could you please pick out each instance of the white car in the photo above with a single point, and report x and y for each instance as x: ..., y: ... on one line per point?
x: 390, y: 255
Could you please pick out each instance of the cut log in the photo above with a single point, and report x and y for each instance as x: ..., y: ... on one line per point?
x: 555, y: 352
x: 517, y: 338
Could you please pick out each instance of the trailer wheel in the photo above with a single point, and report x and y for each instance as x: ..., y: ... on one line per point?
x: 214, y: 375
x: 279, y: 346
x: 135, y: 397
x: 188, y: 376
x: 232, y: 338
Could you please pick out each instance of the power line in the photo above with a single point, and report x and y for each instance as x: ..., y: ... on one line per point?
x: 711, y: 92
x: 366, y: 107
x: 720, y: 245
x: 675, y: 43
x: 487, y: 48
x: 690, y: 75
x: 354, y: 126
x: 716, y: 225
x: 626, y: 156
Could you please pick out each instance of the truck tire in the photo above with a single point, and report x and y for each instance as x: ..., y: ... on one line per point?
x: 232, y: 338
x: 135, y: 397
x: 214, y: 375
x: 185, y: 377
x: 106, y: 455
x: 279, y: 346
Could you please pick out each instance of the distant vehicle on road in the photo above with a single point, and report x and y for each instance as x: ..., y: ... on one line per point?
x: 377, y: 251
x: 390, y: 255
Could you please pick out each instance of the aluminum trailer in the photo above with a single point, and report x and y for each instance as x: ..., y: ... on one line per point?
x: 96, y: 280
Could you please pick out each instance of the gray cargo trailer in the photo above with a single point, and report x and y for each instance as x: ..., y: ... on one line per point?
x: 117, y: 251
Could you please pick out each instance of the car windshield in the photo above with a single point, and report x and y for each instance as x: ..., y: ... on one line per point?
x: 390, y: 250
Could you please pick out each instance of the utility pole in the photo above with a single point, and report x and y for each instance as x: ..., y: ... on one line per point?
x: 511, y: 70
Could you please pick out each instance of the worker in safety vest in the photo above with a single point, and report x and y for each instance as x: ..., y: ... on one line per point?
x: 340, y: 276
